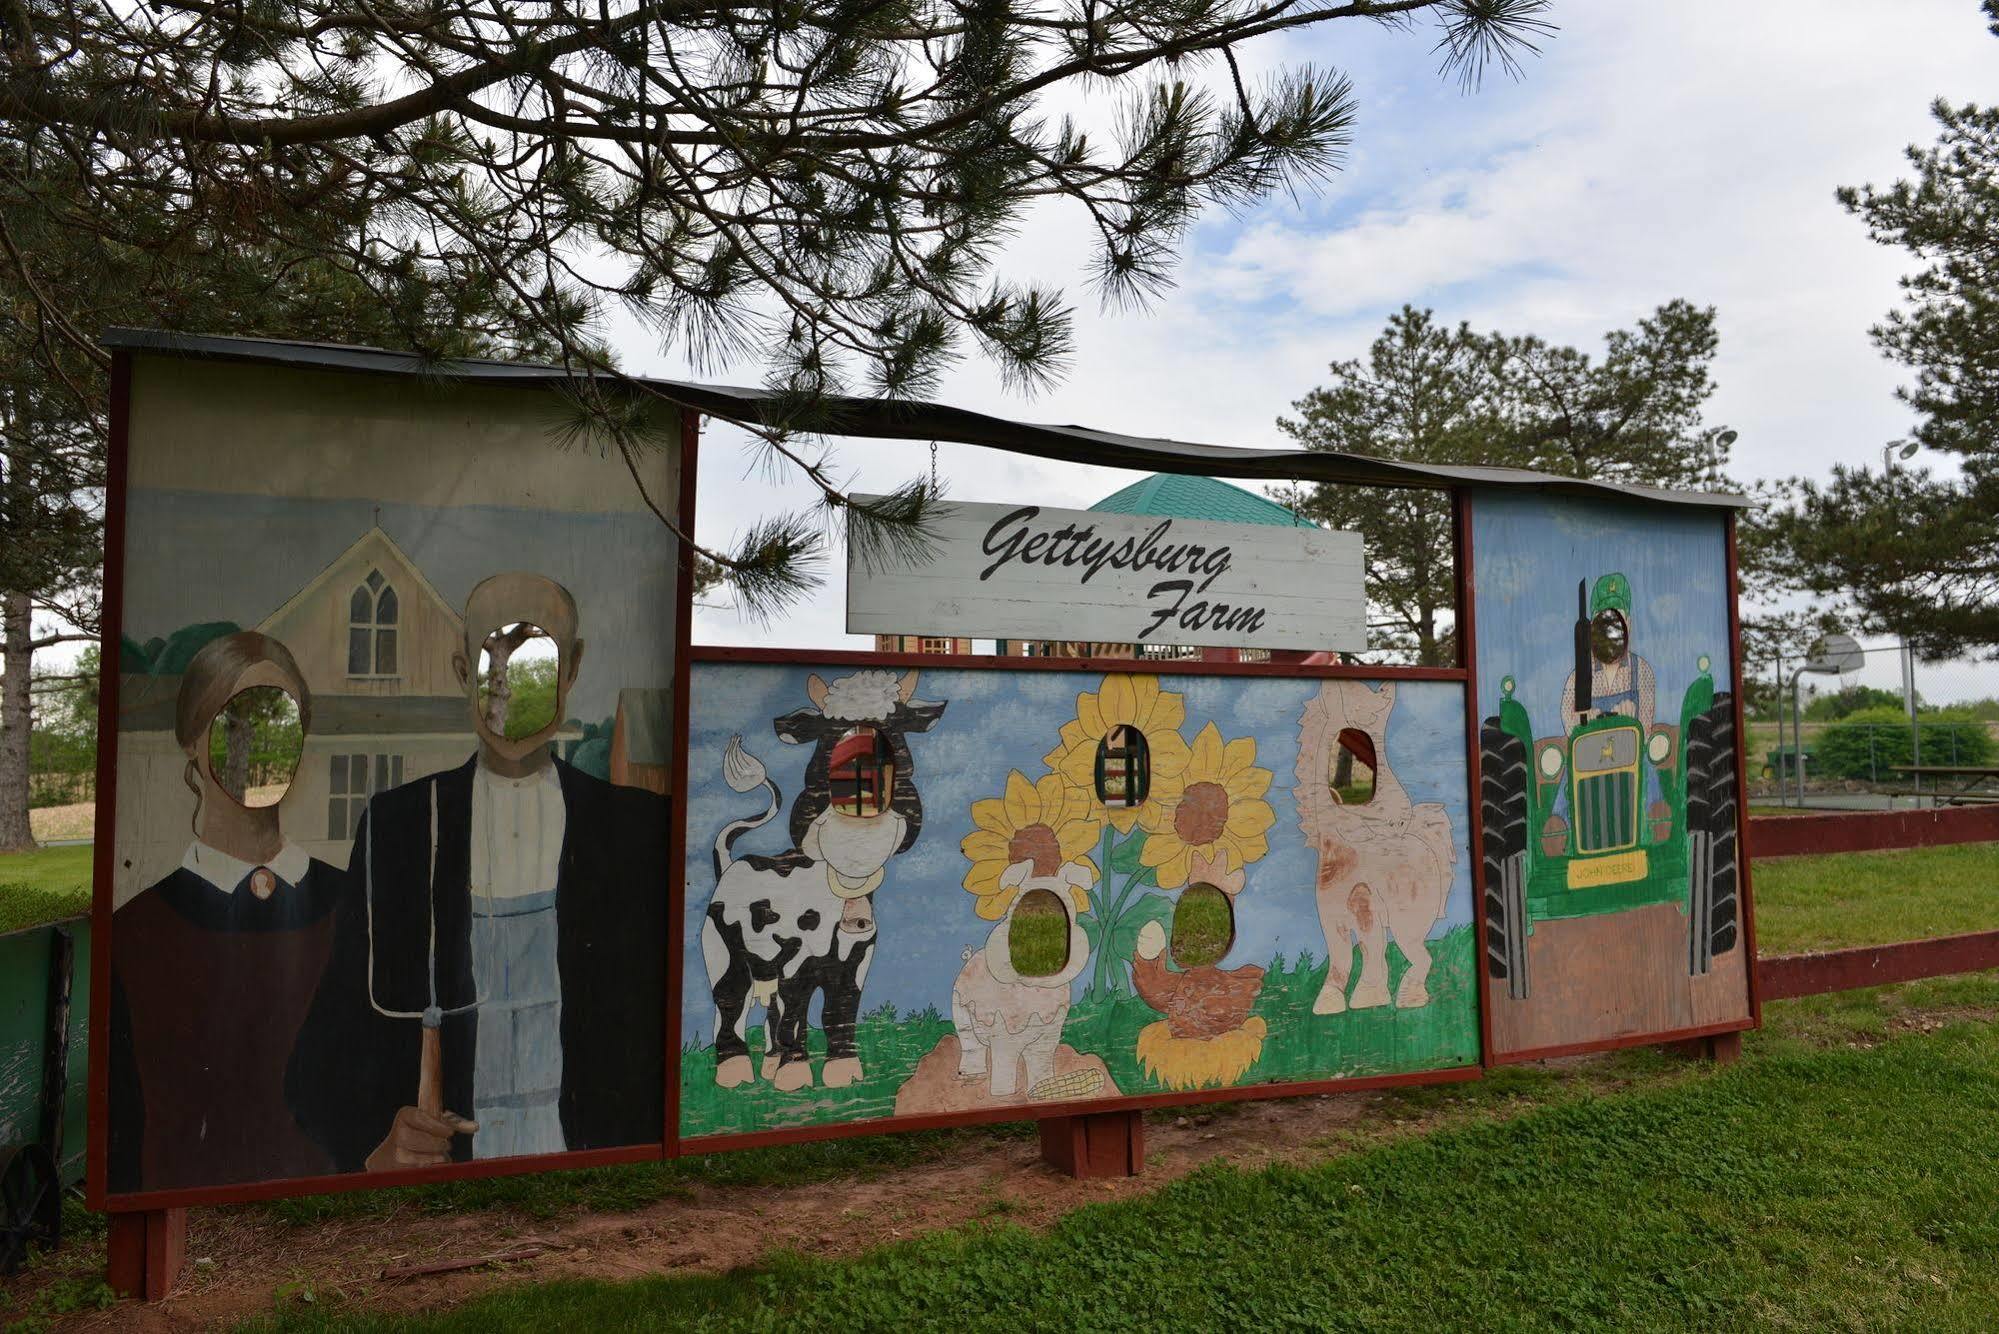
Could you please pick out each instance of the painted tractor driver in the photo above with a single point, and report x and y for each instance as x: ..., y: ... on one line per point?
x: 1610, y: 808
x: 1620, y: 680
x: 1621, y: 685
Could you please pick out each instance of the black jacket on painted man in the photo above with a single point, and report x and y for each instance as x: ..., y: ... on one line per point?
x: 357, y: 1067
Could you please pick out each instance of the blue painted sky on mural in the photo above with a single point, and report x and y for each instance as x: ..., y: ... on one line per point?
x: 996, y: 721
x: 1529, y: 553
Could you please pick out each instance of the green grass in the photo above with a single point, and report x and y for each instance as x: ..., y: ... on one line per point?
x: 1038, y: 940
x: 1848, y: 1188
x: 46, y: 885
x: 1872, y: 898
x: 1203, y: 926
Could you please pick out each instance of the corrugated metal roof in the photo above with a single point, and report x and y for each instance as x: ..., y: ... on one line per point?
x: 1182, y: 496
x: 919, y: 421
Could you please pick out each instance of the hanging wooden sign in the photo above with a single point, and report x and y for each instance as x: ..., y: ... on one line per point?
x: 1033, y: 572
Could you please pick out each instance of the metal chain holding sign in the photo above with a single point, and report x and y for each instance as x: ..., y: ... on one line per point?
x: 933, y: 467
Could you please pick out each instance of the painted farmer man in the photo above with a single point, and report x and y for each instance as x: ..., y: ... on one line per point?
x: 1620, y: 680
x: 499, y: 989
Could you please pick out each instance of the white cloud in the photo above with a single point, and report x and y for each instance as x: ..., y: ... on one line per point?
x: 1652, y: 152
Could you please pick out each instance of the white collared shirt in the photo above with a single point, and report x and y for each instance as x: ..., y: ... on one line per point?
x: 226, y: 873
x: 517, y: 827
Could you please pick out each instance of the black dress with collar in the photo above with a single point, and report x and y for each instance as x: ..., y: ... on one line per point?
x: 208, y: 992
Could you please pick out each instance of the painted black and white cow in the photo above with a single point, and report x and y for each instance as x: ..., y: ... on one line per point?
x: 781, y: 928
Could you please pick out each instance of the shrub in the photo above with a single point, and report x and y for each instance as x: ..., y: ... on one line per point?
x: 1868, y: 743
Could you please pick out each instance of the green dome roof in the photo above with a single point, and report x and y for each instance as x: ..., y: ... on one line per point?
x: 1178, y: 496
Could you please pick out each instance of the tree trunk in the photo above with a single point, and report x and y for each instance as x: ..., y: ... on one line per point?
x: 498, y: 692
x: 16, y: 717
x: 236, y: 732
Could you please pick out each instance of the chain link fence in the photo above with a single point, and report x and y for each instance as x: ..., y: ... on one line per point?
x: 1871, y: 755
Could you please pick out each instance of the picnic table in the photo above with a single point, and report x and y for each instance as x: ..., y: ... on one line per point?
x: 1957, y: 784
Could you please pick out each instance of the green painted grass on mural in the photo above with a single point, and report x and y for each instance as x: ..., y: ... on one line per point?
x: 890, y: 1046
x: 1299, y: 1045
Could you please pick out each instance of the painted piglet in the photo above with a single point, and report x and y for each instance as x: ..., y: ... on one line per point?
x: 1007, y: 1022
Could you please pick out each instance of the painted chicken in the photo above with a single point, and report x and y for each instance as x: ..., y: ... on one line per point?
x: 1208, y: 1038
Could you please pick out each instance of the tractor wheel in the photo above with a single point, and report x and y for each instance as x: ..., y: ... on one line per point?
x: 1502, y: 765
x: 30, y: 1203
x: 1713, y: 893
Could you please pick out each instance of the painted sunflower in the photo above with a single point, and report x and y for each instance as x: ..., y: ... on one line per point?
x: 1123, y: 701
x: 1048, y: 823
x: 1219, y: 814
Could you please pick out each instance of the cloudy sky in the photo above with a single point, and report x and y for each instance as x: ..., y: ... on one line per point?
x: 1650, y: 152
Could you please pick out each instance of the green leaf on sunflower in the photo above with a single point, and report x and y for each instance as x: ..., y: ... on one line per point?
x: 1093, y: 928
x: 1125, y: 854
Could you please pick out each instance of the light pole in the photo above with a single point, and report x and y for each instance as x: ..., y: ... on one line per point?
x: 1719, y: 441
x: 1890, y: 453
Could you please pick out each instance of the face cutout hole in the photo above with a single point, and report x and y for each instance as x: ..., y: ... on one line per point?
x: 861, y: 773
x: 1124, y: 767
x: 254, y: 745
x: 1037, y: 943
x: 517, y: 667
x: 1203, y: 926
x: 1352, y: 776
x: 1608, y: 636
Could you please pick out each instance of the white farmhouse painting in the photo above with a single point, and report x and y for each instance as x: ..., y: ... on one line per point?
x: 1032, y: 572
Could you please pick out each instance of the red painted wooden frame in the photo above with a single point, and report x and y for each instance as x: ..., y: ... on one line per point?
x: 750, y: 1139
x: 1467, y: 633
x: 1746, y: 917
x: 683, y: 674
x: 671, y: 1144
x: 1871, y: 831
x: 104, y: 853
x: 794, y: 657
x: 97, y: 1143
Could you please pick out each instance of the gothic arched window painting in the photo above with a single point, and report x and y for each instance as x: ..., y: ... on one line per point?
x: 371, y: 627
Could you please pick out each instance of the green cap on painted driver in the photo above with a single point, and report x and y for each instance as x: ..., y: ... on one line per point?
x: 1612, y: 593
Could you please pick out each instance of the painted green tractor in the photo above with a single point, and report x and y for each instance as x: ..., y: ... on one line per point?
x: 1617, y: 813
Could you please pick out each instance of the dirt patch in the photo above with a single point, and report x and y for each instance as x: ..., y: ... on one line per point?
x: 242, y: 1263
x: 1929, y: 1021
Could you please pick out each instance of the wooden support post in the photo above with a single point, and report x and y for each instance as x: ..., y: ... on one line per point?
x: 147, y: 1249
x: 1721, y: 1048
x: 1099, y: 1144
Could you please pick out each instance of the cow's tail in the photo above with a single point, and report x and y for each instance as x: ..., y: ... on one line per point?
x: 743, y: 772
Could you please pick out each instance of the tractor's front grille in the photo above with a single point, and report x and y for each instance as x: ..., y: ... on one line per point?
x: 1607, y: 811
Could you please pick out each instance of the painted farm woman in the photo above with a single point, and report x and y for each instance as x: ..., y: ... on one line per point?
x: 213, y: 967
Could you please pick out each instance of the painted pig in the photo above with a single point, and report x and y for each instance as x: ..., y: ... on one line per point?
x: 1006, y: 1022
